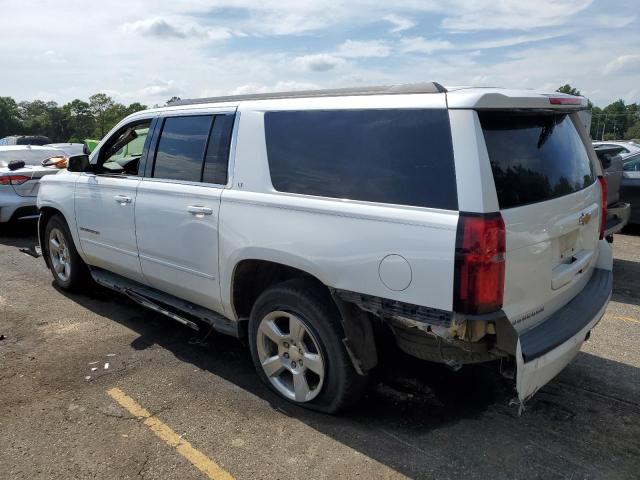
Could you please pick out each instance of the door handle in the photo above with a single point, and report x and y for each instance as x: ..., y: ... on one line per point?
x: 199, y: 211
x: 122, y: 199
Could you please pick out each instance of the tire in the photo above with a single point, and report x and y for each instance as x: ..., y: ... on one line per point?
x: 306, y: 302
x: 74, y: 275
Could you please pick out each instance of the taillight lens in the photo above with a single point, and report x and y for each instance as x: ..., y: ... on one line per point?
x: 13, y: 179
x: 603, y: 218
x: 479, y: 263
x: 565, y: 100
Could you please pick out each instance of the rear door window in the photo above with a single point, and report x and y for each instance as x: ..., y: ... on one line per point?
x: 181, y: 148
x: 534, y: 156
x: 399, y: 156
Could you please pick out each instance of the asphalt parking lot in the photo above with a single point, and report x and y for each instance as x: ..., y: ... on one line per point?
x: 98, y: 387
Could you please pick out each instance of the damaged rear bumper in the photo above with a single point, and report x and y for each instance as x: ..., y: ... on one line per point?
x: 544, y: 350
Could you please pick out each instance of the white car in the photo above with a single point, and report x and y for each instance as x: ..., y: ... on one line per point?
x: 69, y: 148
x: 19, y: 186
x: 627, y: 147
x: 466, y: 224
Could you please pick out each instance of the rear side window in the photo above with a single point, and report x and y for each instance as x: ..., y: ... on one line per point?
x: 534, y: 157
x: 181, y: 148
x: 401, y: 156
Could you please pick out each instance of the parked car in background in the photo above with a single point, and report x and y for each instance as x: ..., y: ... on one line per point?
x: 25, y: 140
x: 627, y: 147
x: 466, y: 225
x: 19, y: 186
x: 612, y: 165
x: 69, y: 148
x: 630, y: 191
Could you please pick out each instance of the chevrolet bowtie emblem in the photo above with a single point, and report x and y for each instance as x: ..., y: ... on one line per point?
x: 584, y: 218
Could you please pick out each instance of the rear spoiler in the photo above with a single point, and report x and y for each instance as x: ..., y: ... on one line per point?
x: 514, y: 100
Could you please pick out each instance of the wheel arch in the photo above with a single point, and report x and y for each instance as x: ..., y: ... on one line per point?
x: 46, y: 213
x: 252, y: 276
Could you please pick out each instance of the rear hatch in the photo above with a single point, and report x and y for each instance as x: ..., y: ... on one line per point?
x: 549, y: 198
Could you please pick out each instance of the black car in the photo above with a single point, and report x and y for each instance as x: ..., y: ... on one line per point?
x: 25, y: 140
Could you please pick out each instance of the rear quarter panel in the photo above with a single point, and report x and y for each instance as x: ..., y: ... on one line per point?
x: 340, y: 242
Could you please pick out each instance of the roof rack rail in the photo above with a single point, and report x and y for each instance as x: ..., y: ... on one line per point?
x: 425, y: 87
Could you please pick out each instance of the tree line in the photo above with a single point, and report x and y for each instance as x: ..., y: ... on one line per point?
x: 72, y: 122
x: 78, y: 120
x: 616, y: 121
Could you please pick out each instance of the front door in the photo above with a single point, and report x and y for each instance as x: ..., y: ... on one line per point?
x: 105, y: 203
x: 177, y: 207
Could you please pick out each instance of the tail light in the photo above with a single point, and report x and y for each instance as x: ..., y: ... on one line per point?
x: 565, y: 100
x: 479, y: 263
x: 603, y: 218
x: 13, y: 179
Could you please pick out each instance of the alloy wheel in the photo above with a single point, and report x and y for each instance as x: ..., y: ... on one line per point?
x: 59, y: 255
x: 290, y: 356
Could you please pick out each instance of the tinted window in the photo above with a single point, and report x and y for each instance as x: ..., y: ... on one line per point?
x: 181, y: 148
x: 391, y: 156
x: 534, y: 157
x: 217, y: 158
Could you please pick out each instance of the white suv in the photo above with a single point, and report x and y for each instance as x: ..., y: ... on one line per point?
x: 466, y: 223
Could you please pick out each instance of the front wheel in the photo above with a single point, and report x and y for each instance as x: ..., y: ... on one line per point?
x: 68, y: 270
x: 296, y: 344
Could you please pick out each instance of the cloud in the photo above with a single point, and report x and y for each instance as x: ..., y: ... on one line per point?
x: 159, y: 87
x: 478, y: 15
x: 286, y: 86
x: 50, y: 56
x: 320, y: 62
x: 400, y: 24
x: 422, y: 45
x: 363, y: 49
x: 155, y: 27
x: 163, y: 28
x: 624, y: 63
x: 613, y: 21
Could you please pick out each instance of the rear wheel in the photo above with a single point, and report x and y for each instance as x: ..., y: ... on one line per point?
x: 68, y: 270
x: 296, y: 344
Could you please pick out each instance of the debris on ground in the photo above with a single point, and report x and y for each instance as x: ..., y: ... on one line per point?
x: 106, y: 365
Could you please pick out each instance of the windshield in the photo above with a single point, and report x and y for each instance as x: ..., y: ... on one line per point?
x: 29, y: 157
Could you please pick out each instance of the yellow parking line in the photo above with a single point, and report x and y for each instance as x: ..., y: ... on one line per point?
x: 625, y: 319
x: 203, y: 463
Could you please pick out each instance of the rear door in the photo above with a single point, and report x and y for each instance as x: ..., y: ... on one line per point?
x: 178, y: 203
x: 549, y: 197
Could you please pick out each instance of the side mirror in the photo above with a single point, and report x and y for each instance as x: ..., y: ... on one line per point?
x: 78, y: 163
x: 16, y: 164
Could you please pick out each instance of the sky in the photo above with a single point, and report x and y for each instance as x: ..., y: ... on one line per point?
x: 148, y: 51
